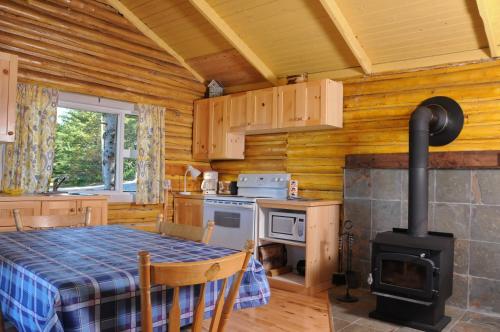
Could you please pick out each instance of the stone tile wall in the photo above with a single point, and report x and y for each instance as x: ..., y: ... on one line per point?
x: 463, y: 202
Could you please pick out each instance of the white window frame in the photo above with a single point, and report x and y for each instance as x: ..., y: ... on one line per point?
x: 103, y: 105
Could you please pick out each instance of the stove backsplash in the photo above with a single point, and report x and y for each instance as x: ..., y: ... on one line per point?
x: 463, y: 202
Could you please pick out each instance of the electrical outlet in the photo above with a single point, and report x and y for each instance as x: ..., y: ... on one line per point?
x: 167, y: 184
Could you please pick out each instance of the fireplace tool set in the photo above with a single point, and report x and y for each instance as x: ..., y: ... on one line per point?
x: 349, y: 278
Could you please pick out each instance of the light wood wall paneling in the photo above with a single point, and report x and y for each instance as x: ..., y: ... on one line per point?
x: 376, y: 114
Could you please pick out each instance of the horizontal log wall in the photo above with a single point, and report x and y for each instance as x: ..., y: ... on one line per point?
x: 85, y: 46
x: 376, y: 113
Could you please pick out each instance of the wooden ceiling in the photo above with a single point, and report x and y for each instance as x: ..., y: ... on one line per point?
x: 242, y: 42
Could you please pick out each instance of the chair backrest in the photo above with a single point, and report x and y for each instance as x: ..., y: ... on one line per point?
x: 24, y: 223
x: 177, y: 275
x: 186, y: 232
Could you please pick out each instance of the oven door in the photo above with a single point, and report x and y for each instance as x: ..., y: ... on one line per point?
x: 404, y: 274
x: 234, y: 222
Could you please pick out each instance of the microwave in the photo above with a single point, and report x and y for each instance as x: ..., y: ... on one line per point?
x: 287, y: 226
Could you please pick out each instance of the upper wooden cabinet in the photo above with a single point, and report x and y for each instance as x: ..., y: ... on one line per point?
x: 261, y: 109
x: 223, y: 144
x: 220, y: 123
x: 212, y: 138
x: 8, y: 90
x: 311, y: 105
x: 237, y: 112
x: 200, y: 129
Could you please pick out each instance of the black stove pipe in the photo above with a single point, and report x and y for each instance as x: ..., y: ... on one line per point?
x: 424, y: 121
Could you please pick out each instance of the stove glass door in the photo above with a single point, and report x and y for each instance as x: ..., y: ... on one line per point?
x: 404, y: 274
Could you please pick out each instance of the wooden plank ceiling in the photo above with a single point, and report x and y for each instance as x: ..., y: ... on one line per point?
x: 241, y: 42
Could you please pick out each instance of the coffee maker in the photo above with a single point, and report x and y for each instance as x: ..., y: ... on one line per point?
x: 209, y: 183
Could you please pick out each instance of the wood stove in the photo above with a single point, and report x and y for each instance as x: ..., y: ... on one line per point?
x: 412, y: 269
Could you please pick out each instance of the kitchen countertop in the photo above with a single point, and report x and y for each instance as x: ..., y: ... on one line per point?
x: 52, y: 197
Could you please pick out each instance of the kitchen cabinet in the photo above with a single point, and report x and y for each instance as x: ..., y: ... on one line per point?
x: 310, y: 105
x: 8, y: 91
x: 319, y: 250
x: 188, y: 211
x: 200, y: 130
x: 261, y: 110
x: 237, y: 112
x: 223, y: 144
x: 38, y: 205
x: 99, y: 212
x: 63, y: 207
x: 27, y: 208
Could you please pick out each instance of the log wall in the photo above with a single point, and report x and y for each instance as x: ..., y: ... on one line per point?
x: 85, y: 46
x: 376, y: 113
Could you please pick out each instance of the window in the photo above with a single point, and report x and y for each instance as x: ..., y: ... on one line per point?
x: 96, y: 144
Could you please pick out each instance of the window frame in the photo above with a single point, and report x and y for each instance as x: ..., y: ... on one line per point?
x: 103, y: 105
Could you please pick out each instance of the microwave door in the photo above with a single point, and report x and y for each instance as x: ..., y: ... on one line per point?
x: 283, y: 227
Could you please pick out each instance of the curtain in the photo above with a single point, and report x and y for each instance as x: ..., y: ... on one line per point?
x: 150, y: 154
x: 28, y: 161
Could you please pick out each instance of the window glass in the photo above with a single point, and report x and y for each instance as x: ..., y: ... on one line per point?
x: 130, y: 153
x: 404, y: 274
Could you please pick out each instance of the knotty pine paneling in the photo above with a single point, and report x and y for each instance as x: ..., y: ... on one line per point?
x: 376, y: 113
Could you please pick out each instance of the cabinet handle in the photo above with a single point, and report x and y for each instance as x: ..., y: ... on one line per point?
x: 263, y: 104
x: 6, y: 71
x: 71, y: 210
x: 10, y: 133
x: 299, y: 118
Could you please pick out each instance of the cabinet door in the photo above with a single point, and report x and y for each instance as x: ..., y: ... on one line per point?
x: 290, y: 114
x: 237, y: 112
x: 8, y: 90
x: 262, y: 109
x: 217, y: 129
x: 188, y: 211
x: 27, y: 208
x: 99, y: 212
x: 200, y: 129
x: 65, y: 207
x: 310, y: 100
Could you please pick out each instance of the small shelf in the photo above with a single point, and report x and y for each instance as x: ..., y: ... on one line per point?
x: 291, y: 278
x: 291, y: 243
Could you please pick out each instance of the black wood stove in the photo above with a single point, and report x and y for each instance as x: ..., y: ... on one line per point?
x: 412, y: 269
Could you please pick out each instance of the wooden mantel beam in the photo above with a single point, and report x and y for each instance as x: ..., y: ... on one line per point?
x: 234, y: 39
x: 142, y: 27
x: 345, y: 30
x: 484, y: 7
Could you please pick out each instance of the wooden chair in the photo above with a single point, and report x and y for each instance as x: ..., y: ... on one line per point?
x: 186, y: 232
x: 24, y: 223
x: 178, y: 275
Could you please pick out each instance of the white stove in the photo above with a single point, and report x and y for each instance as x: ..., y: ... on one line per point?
x: 235, y: 217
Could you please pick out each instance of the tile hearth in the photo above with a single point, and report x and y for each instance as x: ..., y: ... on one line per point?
x: 353, y: 317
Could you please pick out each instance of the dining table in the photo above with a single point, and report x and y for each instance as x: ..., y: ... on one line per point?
x: 86, y: 279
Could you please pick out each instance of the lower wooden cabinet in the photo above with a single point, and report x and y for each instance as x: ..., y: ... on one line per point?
x: 27, y: 208
x: 62, y: 207
x: 188, y: 211
x: 59, y: 205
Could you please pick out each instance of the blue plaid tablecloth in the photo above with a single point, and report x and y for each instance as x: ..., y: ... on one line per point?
x: 86, y: 279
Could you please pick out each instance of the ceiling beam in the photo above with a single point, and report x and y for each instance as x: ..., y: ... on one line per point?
x: 484, y: 12
x: 234, y: 39
x: 345, y: 30
x: 142, y: 27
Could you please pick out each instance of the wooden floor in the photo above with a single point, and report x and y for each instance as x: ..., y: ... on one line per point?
x: 286, y: 312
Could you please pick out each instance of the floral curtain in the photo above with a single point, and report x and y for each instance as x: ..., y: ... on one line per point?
x: 150, y: 154
x: 28, y: 161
